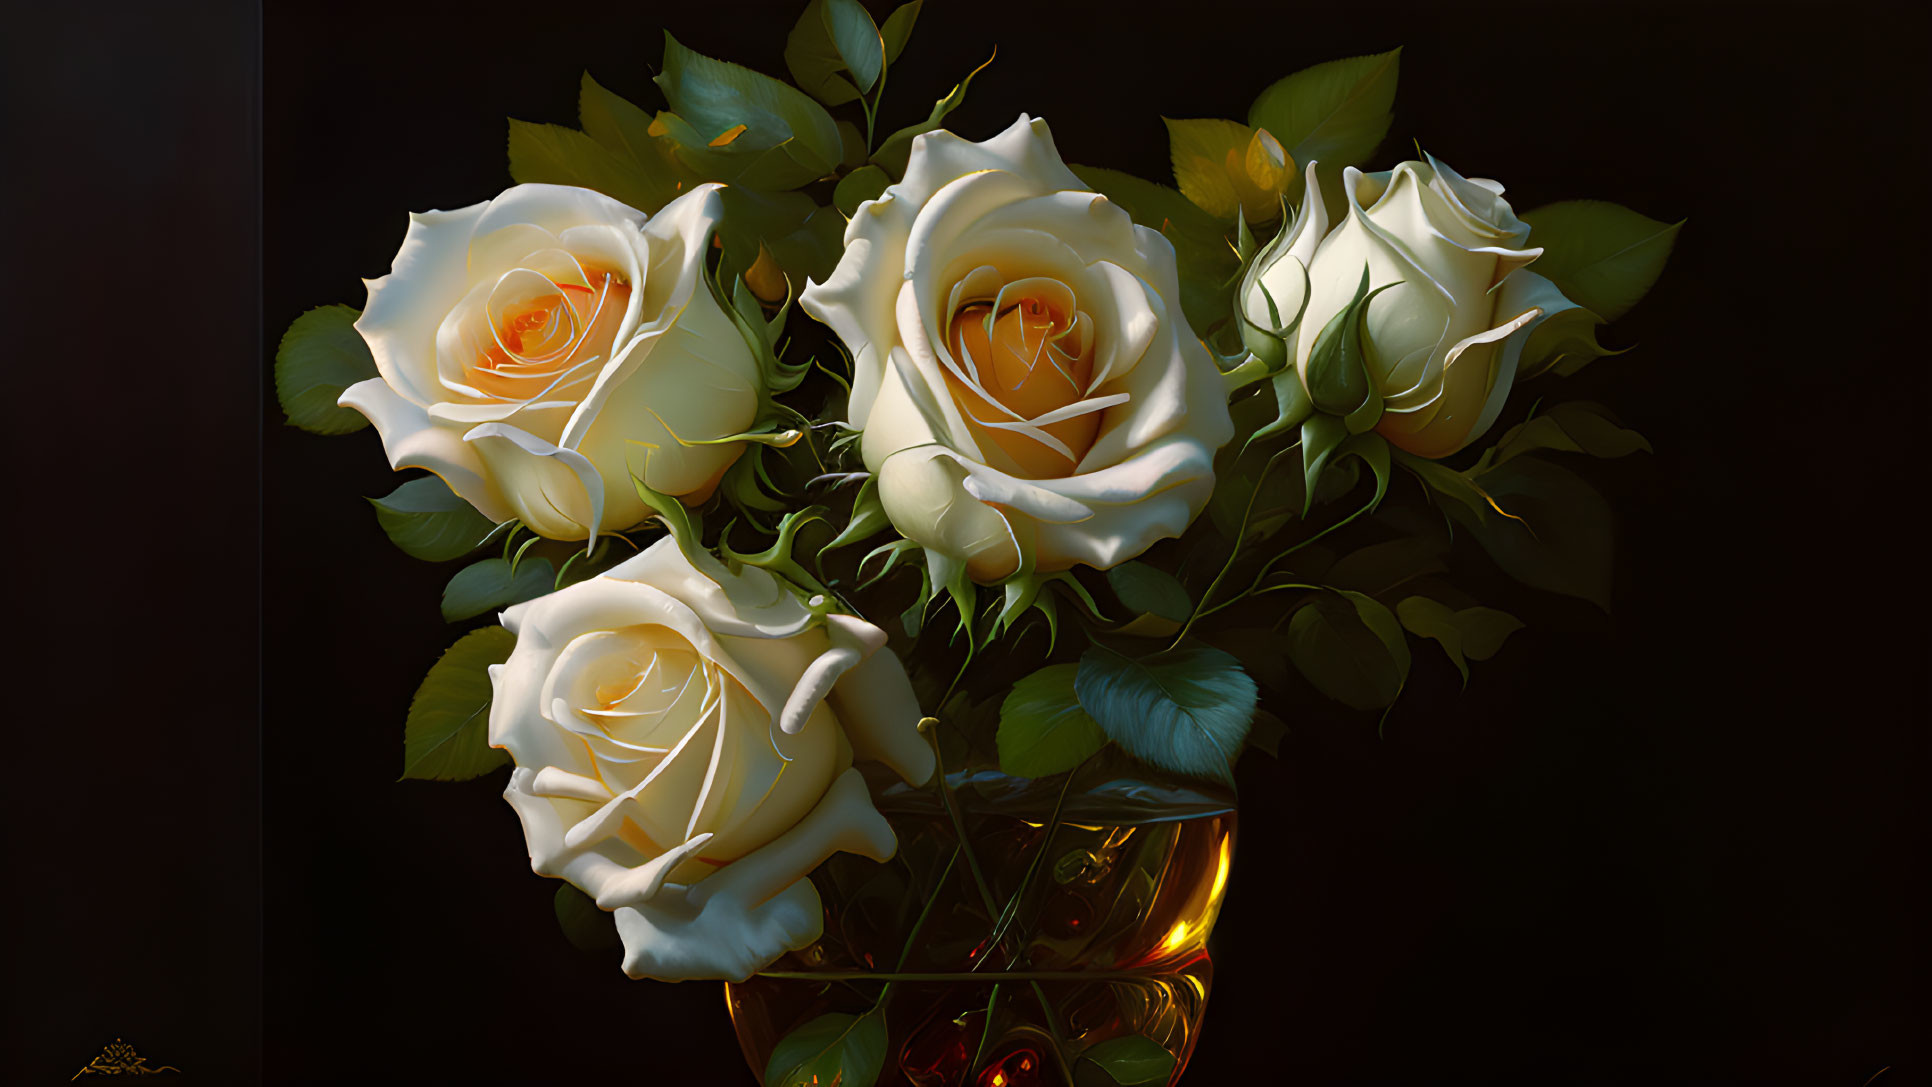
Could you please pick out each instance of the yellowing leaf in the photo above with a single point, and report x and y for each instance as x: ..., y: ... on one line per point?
x: 1200, y: 149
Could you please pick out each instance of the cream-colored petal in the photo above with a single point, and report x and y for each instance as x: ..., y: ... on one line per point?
x: 880, y: 714
x: 859, y: 299
x: 553, y: 208
x: 429, y: 275
x: 1282, y: 269
x: 693, y: 382
x: 669, y: 940
x: 1024, y: 148
x: 556, y: 492
x: 411, y: 439
x: 924, y: 495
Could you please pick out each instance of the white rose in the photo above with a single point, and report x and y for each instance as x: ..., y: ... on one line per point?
x: 1443, y: 344
x: 535, y: 351
x: 683, y: 742
x: 1030, y: 393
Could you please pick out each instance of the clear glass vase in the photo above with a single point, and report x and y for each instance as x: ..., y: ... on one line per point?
x: 1070, y: 928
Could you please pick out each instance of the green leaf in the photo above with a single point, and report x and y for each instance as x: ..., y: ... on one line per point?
x: 1321, y: 435
x: 1338, y: 379
x: 835, y: 1048
x: 1043, y: 731
x: 1185, y: 710
x: 1576, y: 426
x: 489, y: 584
x: 1199, y: 149
x: 1334, y: 114
x: 896, y: 149
x: 1149, y: 590
x: 1602, y: 256
x: 1378, y: 567
x: 1351, y: 648
x: 855, y: 188
x: 813, y: 58
x: 1132, y: 1060
x: 1267, y: 733
x: 1557, y: 535
x: 868, y: 517
x: 555, y: 155
x: 322, y: 354
x: 431, y: 522
x: 1564, y: 343
x: 584, y: 925
x: 857, y: 39
x: 1292, y: 404
x: 1476, y: 633
x: 898, y: 29
x: 714, y: 97
x: 813, y: 250
x: 649, y: 171
x: 1471, y: 502
x: 752, y: 217
x: 447, y: 734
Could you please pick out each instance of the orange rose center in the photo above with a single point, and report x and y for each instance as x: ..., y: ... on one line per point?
x: 1028, y: 359
x: 546, y: 337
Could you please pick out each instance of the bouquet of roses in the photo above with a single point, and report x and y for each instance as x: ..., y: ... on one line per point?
x: 888, y: 538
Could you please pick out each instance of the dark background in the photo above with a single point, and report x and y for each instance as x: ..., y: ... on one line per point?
x: 1682, y: 842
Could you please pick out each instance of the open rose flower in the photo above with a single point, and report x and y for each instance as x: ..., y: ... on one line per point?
x: 683, y: 740
x: 1444, y: 338
x: 536, y: 350
x: 1030, y: 393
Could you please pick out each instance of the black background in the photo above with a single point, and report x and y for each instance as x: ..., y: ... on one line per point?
x: 1683, y: 842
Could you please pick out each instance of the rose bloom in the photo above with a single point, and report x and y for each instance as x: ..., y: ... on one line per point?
x: 1443, y: 343
x: 684, y: 740
x: 536, y: 350
x: 1030, y: 393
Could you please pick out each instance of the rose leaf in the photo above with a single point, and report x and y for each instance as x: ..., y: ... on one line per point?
x: 1602, y: 256
x: 813, y: 58
x: 431, y: 522
x: 584, y: 925
x: 1133, y: 1060
x: 714, y: 97
x: 491, y: 584
x: 1475, y: 633
x: 1043, y: 731
x: 322, y: 354
x: 1555, y: 532
x: 1186, y: 710
x: 898, y: 29
x: 447, y: 734
x: 834, y: 1048
x: 1351, y: 648
x: 1149, y: 590
x: 1333, y: 114
x: 857, y: 39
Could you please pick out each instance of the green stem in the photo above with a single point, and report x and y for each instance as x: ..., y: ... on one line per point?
x: 1053, y: 1031
x: 1255, y: 585
x: 986, y: 1029
x: 1012, y: 909
x: 959, y: 829
x: 1234, y: 553
x: 926, y: 911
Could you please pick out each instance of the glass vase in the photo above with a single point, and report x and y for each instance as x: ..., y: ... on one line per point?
x: 1023, y: 928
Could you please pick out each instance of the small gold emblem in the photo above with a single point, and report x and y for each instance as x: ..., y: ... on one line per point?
x: 120, y: 1059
